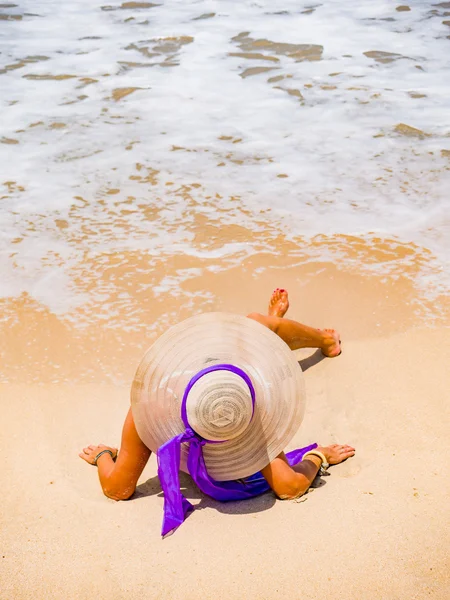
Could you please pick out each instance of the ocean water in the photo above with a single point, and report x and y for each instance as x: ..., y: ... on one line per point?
x: 136, y: 132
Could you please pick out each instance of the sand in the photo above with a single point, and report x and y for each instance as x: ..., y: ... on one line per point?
x: 153, y: 169
x: 376, y: 528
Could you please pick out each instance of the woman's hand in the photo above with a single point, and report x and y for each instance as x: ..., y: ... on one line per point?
x: 337, y: 453
x: 90, y: 452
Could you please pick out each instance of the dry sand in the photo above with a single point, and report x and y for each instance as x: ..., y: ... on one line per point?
x: 376, y: 528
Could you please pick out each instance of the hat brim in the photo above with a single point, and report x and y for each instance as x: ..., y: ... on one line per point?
x: 205, y: 340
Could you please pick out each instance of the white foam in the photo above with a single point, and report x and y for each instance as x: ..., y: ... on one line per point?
x: 348, y: 171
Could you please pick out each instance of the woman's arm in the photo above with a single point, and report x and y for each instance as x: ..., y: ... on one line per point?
x: 289, y: 483
x: 118, y: 479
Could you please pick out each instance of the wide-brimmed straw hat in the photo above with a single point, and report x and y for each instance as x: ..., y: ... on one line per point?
x: 228, y: 378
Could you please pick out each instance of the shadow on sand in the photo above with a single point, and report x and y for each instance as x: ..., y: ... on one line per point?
x: 152, y: 487
x: 310, y: 361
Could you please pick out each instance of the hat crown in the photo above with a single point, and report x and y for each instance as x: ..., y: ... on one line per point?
x: 219, y: 406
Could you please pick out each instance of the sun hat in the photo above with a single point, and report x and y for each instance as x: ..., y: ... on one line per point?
x: 219, y: 396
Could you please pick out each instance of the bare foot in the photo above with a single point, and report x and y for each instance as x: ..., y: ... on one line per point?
x: 278, y: 303
x: 332, y: 344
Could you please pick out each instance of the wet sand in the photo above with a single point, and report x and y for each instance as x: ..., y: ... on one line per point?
x: 104, y: 340
x: 374, y: 528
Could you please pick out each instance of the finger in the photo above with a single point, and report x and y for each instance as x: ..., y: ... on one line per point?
x: 86, y: 450
x: 347, y: 454
x: 91, y: 447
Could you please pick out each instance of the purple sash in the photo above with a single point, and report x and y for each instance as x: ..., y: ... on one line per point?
x: 176, y: 506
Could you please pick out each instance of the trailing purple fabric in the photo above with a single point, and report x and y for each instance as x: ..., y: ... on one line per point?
x: 176, y: 506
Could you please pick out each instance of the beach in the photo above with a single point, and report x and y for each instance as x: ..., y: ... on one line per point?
x: 374, y: 528
x: 159, y: 161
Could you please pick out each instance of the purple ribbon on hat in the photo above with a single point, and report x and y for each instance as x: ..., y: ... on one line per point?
x: 176, y: 506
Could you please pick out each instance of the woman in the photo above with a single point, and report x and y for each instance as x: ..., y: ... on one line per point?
x: 119, y: 471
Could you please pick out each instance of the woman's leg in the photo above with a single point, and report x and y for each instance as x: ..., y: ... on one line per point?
x: 293, y: 333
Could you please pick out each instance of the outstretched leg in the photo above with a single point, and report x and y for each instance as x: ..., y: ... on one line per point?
x: 293, y: 333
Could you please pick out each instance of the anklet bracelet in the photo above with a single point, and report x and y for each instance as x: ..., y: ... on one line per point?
x: 100, y: 453
x: 324, y: 466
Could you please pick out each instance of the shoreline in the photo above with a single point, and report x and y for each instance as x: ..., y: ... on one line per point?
x: 38, y: 346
